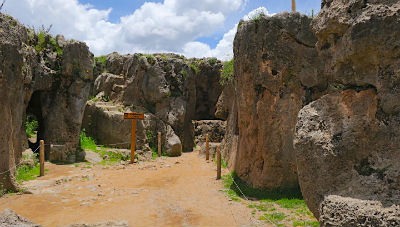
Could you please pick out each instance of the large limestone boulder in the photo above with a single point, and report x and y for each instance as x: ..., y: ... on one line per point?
x: 343, y: 148
x: 63, y: 106
x: 12, y: 84
x: 49, y: 78
x: 272, y: 55
x: 337, y: 211
x: 347, y: 141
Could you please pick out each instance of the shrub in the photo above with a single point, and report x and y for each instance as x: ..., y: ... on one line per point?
x: 227, y: 72
x: 31, y: 125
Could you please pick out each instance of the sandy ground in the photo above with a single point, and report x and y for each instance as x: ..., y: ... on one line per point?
x: 178, y: 191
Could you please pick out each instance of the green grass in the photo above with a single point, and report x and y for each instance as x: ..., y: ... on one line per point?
x: 26, y: 173
x: 274, y: 217
x: 31, y: 125
x: 87, y: 142
x: 227, y: 72
x: 305, y: 224
x: 282, y: 207
x: 109, y: 157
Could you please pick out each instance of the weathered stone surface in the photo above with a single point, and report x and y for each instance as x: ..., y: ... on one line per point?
x: 9, y: 218
x: 214, y: 128
x: 46, y: 80
x: 353, y: 153
x: 346, y: 141
x: 337, y: 211
x: 63, y: 106
x: 272, y: 55
x: 104, y: 121
x: 12, y: 99
x: 359, y: 43
x: 173, y: 89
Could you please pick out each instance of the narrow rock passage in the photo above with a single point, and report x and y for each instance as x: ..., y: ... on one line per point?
x: 178, y: 191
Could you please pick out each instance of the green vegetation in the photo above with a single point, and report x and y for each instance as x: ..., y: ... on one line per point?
x: 194, y: 67
x: 101, y: 61
x: 26, y: 172
x: 280, y: 207
x: 31, y: 125
x: 46, y: 41
x: 87, y: 142
x: 152, y: 141
x: 213, y: 61
x: 109, y: 157
x: 227, y: 72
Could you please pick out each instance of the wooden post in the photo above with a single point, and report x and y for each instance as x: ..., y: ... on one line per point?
x: 293, y: 6
x: 207, y: 148
x: 218, y: 163
x: 41, y: 158
x: 159, y: 144
x: 133, y: 141
x: 134, y: 117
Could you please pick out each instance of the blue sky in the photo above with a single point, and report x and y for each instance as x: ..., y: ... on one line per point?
x: 201, y: 28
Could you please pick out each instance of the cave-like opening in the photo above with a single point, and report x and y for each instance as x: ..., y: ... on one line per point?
x: 34, y: 124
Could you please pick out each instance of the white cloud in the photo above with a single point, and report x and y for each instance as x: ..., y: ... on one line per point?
x: 224, y: 48
x: 169, y: 26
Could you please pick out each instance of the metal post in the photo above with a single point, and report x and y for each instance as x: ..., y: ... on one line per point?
x: 41, y: 158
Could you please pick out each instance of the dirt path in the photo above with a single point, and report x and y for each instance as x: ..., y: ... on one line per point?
x: 168, y: 192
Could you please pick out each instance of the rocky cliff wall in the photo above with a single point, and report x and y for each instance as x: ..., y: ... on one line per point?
x: 49, y: 78
x: 347, y: 141
x: 272, y: 57
x: 168, y: 88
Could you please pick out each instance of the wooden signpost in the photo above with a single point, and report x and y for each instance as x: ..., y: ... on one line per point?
x: 134, y: 117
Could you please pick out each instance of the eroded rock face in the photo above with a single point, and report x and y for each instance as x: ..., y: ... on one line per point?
x: 49, y: 78
x: 340, y: 211
x: 12, y: 83
x: 272, y: 56
x: 347, y: 141
x: 173, y: 89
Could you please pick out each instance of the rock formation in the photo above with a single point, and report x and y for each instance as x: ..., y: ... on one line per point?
x: 272, y: 56
x: 350, y: 212
x: 49, y: 78
x: 171, y: 90
x: 347, y: 141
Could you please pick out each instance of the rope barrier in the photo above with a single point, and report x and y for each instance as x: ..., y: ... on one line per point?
x: 14, y: 167
x: 245, y: 197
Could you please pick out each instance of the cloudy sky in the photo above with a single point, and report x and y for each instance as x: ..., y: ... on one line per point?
x: 195, y: 28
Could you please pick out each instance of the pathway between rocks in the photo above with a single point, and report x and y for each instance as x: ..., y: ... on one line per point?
x: 178, y: 191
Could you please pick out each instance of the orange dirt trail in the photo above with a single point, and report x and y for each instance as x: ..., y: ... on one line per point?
x: 178, y: 191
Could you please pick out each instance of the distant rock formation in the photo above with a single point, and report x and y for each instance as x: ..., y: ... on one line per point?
x: 347, y: 142
x: 49, y: 78
x: 170, y: 89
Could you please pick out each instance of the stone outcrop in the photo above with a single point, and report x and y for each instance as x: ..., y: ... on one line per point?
x: 9, y: 218
x: 337, y: 211
x: 46, y: 77
x: 272, y: 57
x: 168, y: 87
x: 347, y: 141
x: 12, y: 83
